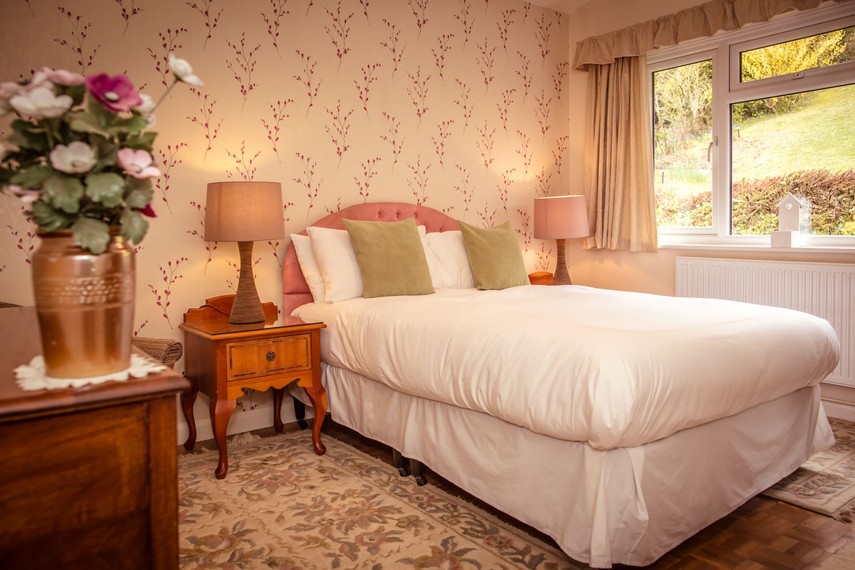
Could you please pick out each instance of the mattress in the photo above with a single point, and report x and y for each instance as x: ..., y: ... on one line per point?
x: 608, y: 368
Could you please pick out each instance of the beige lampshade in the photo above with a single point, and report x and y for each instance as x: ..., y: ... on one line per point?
x: 560, y: 217
x: 244, y: 211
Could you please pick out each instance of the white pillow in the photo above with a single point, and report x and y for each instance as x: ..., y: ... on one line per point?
x: 309, y: 266
x: 337, y: 263
x: 448, y: 261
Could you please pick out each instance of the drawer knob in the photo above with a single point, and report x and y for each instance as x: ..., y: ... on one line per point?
x: 271, y: 356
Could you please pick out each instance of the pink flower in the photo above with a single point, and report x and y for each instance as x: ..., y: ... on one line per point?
x: 57, y: 76
x: 137, y: 163
x: 147, y: 211
x: 9, y: 89
x: 27, y: 196
x: 116, y: 93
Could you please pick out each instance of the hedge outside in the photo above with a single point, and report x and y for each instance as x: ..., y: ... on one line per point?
x: 831, y: 196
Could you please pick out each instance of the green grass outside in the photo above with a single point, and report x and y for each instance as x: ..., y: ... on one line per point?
x: 820, y: 134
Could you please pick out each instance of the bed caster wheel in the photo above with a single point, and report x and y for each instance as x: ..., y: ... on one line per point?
x: 400, y: 463
x: 421, y: 481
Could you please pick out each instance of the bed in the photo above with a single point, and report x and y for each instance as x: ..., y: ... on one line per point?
x: 631, y: 422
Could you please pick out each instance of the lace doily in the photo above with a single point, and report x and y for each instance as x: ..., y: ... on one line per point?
x: 32, y: 376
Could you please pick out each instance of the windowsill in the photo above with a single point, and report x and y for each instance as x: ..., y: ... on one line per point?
x: 803, y: 244
x: 801, y: 249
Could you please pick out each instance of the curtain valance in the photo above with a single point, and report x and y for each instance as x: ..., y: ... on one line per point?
x: 704, y: 20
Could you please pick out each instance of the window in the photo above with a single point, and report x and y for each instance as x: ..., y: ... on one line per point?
x: 742, y: 119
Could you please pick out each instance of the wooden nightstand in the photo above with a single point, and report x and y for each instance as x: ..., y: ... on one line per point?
x: 223, y: 359
x: 540, y: 278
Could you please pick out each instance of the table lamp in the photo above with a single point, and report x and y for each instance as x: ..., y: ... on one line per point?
x: 244, y: 212
x: 560, y: 218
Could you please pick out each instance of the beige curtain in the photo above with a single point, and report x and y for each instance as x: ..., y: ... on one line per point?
x: 700, y: 21
x: 619, y: 158
x: 618, y: 143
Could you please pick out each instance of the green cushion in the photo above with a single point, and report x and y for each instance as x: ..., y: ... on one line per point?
x: 391, y: 258
x: 494, y: 255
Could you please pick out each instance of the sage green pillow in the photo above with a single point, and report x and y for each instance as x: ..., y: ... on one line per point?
x: 391, y: 258
x: 494, y: 255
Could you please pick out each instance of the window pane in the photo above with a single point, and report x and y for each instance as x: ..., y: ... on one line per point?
x: 822, y: 50
x: 682, y: 124
x: 803, y: 144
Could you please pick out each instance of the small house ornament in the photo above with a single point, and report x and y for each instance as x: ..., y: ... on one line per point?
x: 792, y: 213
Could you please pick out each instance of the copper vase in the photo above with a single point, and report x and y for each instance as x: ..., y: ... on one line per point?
x: 85, y: 305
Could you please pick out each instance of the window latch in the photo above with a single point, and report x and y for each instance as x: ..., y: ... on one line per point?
x: 713, y: 142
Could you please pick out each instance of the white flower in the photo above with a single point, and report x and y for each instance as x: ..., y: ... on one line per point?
x: 183, y: 71
x: 147, y: 105
x: 76, y: 158
x: 137, y: 163
x: 41, y: 102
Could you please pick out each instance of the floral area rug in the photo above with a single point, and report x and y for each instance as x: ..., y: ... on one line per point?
x: 826, y: 482
x: 281, y: 506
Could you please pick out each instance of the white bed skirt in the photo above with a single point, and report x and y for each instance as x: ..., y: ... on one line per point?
x: 626, y: 505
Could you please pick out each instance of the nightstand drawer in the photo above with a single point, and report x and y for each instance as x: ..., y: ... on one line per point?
x: 250, y: 359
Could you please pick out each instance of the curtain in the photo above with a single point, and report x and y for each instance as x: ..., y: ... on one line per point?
x: 619, y: 158
x: 700, y: 21
x: 618, y: 141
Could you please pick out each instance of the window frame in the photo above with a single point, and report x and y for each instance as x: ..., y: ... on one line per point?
x: 724, y: 51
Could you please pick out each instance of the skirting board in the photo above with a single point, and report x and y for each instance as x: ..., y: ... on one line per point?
x: 839, y: 410
x: 259, y: 418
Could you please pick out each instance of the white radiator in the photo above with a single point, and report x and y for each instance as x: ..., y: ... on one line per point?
x: 826, y: 290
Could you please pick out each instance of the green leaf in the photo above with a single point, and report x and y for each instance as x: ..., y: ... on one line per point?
x: 134, y: 226
x: 87, y: 122
x: 64, y: 193
x: 132, y: 125
x: 145, y: 141
x: 105, y: 188
x: 140, y: 193
x: 47, y: 217
x: 76, y: 92
x: 26, y: 135
x: 90, y: 234
x: 103, y: 114
x: 31, y: 177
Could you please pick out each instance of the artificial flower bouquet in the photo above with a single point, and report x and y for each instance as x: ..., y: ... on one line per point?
x: 79, y: 152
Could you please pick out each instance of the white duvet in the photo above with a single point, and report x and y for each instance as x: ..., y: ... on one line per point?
x: 610, y: 368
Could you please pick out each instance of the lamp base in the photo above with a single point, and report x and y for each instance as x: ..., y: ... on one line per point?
x: 247, y: 306
x: 561, y: 275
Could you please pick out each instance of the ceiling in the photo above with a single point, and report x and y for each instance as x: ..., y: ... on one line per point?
x: 566, y: 6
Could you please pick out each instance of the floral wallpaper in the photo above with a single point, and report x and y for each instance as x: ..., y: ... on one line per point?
x: 460, y: 105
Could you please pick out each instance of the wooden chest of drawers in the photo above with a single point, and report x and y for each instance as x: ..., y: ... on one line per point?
x: 88, y: 476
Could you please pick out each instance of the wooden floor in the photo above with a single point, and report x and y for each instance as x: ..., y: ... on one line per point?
x: 762, y: 534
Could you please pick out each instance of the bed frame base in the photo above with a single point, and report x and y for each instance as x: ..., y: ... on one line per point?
x: 409, y: 467
x: 300, y: 413
x: 405, y: 466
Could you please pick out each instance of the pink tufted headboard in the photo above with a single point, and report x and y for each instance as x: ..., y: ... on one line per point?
x: 294, y: 287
